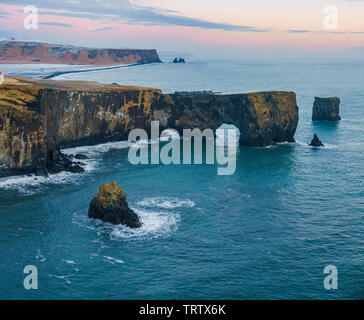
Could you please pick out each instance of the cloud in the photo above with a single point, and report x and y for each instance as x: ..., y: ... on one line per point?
x: 101, y: 29
x: 4, y: 14
x: 128, y: 12
x: 56, y: 24
x: 134, y: 13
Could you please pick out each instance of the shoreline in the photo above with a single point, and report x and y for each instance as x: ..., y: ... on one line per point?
x: 102, y: 68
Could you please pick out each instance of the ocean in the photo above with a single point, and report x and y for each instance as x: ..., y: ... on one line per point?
x: 266, y: 232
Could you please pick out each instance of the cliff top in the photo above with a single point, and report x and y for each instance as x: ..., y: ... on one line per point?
x: 17, y: 82
x: 18, y: 93
x: 36, y: 52
x: 22, y: 44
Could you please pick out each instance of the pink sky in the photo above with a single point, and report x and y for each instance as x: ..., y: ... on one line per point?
x: 278, y: 18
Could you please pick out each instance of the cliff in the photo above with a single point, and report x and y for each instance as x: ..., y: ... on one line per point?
x: 36, y: 52
x: 37, y: 116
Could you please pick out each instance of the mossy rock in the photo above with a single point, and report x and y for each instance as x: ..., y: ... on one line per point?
x: 110, y: 205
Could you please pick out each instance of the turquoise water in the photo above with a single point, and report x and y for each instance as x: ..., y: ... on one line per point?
x: 266, y: 232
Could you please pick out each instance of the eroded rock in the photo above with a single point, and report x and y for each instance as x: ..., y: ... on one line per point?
x: 57, y: 162
x: 326, y: 109
x: 110, y: 205
x: 316, y: 142
x: 38, y: 116
x: 81, y: 157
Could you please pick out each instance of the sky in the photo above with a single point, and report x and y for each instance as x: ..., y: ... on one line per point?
x: 196, y: 27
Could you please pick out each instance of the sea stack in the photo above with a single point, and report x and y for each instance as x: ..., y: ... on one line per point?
x: 180, y: 60
x: 316, y: 142
x: 326, y: 109
x: 110, y: 206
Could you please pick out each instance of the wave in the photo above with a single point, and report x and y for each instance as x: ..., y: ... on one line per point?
x: 304, y: 144
x: 113, y: 260
x: 65, y: 277
x: 30, y: 184
x: 301, y: 144
x: 169, y: 134
x: 40, y: 257
x: 166, y: 203
x: 155, y: 224
x: 98, y: 149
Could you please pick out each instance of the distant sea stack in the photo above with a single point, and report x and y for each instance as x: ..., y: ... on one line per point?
x: 39, y: 116
x: 12, y: 52
x: 326, y: 109
x: 316, y: 142
x: 179, y: 60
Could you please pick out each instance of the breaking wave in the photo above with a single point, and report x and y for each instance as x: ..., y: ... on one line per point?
x: 96, y: 150
x: 30, y: 184
x: 166, y: 203
x: 326, y: 145
x: 155, y: 225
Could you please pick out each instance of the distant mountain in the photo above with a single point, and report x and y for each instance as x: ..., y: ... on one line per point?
x: 38, y: 52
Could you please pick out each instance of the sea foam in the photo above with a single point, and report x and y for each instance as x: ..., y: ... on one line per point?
x: 166, y: 203
x: 98, y: 149
x: 31, y: 184
x: 155, y: 224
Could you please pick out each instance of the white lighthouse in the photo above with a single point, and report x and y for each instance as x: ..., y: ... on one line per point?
x: 1, y: 78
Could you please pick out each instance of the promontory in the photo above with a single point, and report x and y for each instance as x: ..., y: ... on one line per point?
x: 38, y: 52
x: 39, y: 116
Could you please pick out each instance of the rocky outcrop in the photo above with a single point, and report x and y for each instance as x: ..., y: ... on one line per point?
x: 316, y: 142
x: 110, y: 205
x: 179, y: 60
x: 81, y: 157
x: 57, y: 162
x: 38, y: 116
x: 326, y: 109
x: 262, y: 118
x: 37, y: 52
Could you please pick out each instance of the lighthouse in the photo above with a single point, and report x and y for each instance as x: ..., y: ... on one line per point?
x: 1, y: 78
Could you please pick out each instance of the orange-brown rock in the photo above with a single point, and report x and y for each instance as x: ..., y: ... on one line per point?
x: 110, y: 205
x: 37, y: 52
x: 38, y: 116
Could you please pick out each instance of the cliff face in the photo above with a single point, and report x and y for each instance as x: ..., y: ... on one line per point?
x: 35, y: 52
x: 37, y: 116
x: 262, y: 118
x: 22, y: 131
